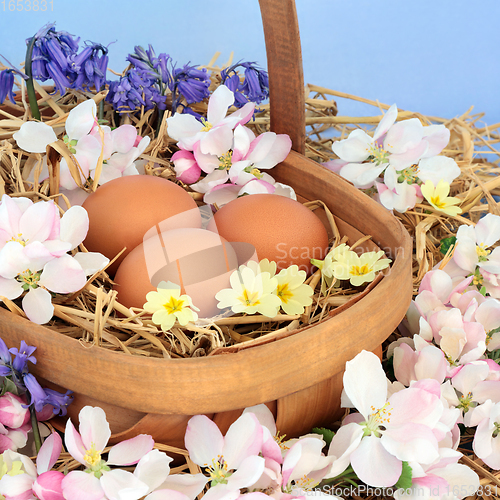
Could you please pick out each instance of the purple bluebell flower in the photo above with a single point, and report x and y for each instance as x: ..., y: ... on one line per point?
x: 38, y: 397
x: 253, y: 88
x: 191, y: 83
x: 134, y: 90
x: 6, y: 85
x: 22, y: 356
x: 5, y: 360
x: 52, y: 52
x: 155, y: 66
x: 89, y: 67
x: 59, y: 401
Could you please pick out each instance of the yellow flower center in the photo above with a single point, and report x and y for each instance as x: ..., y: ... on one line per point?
x: 360, y: 270
x: 16, y: 469
x: 465, y: 402
x: 437, y: 202
x: 256, y: 173
x: 284, y: 293
x: 174, y: 305
x: 206, y: 125
x: 218, y: 470
x: 92, y: 457
x: 382, y: 415
x: 482, y: 252
x: 249, y: 298
x: 19, y: 239
x: 225, y: 161
x: 379, y: 154
x: 478, y: 278
x: 281, y: 441
x: 306, y: 483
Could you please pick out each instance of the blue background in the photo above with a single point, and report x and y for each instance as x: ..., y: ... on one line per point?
x: 438, y: 57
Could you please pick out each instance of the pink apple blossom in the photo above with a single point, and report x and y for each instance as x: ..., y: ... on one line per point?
x: 100, y: 481
x: 232, y: 460
x: 387, y: 431
x: 215, y: 134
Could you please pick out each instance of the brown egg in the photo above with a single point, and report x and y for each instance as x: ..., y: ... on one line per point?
x: 280, y: 229
x: 121, y: 211
x: 197, y: 260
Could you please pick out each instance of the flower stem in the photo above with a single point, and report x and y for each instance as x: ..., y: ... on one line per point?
x: 36, y: 430
x: 30, y: 87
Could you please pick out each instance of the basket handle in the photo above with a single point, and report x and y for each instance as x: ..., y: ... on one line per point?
x: 284, y: 63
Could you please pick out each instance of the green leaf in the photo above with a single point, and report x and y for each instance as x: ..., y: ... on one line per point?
x: 404, y: 480
x: 326, y: 433
x: 483, y: 291
x: 9, y: 386
x: 446, y: 243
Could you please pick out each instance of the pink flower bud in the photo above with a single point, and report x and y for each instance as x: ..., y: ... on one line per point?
x: 48, y: 486
x: 12, y: 413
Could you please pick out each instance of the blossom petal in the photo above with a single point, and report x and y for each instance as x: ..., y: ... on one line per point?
x: 74, y: 226
x: 183, y: 128
x: 39, y: 221
x: 488, y: 230
x: 243, y: 439
x: 81, y: 119
x: 354, y: 149
x: 374, y: 465
x: 74, y: 443
x: 130, y: 451
x: 79, y: 485
x: 365, y: 383
x: 63, y: 275
x: 153, y: 469
x: 37, y: 304
x: 94, y: 428
x: 203, y: 440
x: 119, y: 483
x: 411, y: 442
x: 170, y: 494
x: 188, y: 484
x: 91, y: 262
x: 49, y: 453
x: 249, y: 472
x: 219, y: 103
x: 13, y: 260
x: 124, y: 138
x: 34, y: 137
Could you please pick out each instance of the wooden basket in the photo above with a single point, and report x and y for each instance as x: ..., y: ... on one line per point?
x: 299, y: 376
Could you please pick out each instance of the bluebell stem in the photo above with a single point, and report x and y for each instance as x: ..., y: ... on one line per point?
x: 253, y: 88
x: 191, y: 83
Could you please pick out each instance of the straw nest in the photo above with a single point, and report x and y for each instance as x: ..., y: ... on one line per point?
x: 91, y: 314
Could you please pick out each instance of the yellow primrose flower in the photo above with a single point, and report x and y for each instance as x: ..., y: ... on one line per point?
x: 359, y: 269
x: 251, y: 292
x: 291, y: 290
x: 168, y: 305
x: 439, y: 199
x: 264, y: 266
x: 333, y: 255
